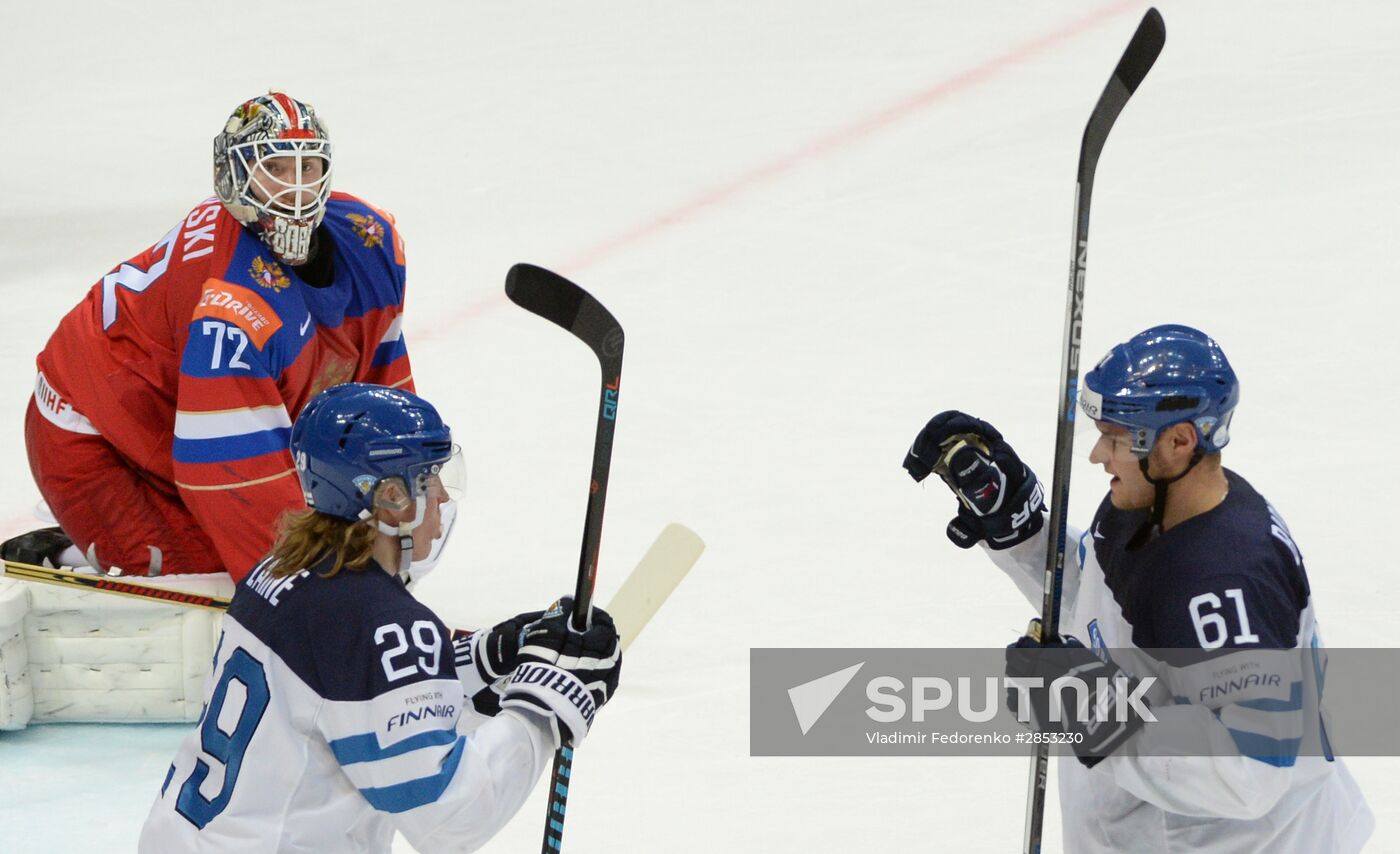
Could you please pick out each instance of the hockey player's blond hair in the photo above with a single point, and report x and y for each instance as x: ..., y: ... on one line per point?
x: 305, y: 537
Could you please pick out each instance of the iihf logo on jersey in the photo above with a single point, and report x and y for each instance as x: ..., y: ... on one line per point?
x: 268, y: 274
x: 369, y: 229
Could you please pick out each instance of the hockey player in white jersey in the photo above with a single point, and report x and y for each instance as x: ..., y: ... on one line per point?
x: 337, y: 710
x: 1181, y: 554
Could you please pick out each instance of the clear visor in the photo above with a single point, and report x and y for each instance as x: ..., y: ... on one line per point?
x: 287, y: 178
x: 1089, y: 424
x: 1088, y: 408
x: 442, y: 477
x: 1117, y: 438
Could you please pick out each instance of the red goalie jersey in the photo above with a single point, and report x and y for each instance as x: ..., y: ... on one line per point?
x: 165, y: 399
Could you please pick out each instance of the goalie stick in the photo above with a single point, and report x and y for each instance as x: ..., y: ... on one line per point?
x: 665, y: 564
x: 565, y: 304
x: 112, y: 584
x: 1137, y: 60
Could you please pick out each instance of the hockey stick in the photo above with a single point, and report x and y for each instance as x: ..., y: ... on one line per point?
x: 112, y: 584
x: 565, y: 304
x: 1137, y: 60
x: 663, y: 566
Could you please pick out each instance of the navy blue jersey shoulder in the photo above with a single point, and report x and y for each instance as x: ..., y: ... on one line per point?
x: 352, y: 636
x: 1236, y: 561
x: 365, y: 252
x: 365, y: 277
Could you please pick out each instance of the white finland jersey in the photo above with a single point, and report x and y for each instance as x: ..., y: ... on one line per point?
x: 333, y: 717
x: 1229, y: 579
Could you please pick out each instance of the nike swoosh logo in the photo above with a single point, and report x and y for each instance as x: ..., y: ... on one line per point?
x: 305, y: 323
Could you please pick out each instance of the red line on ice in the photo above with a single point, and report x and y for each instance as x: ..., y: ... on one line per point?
x: 840, y: 138
x: 724, y: 191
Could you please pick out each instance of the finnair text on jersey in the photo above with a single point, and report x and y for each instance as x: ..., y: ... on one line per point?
x: 404, y: 718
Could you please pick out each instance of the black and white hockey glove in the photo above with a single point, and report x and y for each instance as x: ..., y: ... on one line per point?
x: 563, y: 674
x: 1000, y: 500
x: 485, y: 657
x: 1098, y: 718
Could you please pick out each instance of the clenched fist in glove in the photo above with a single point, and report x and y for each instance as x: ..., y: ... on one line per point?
x: 1108, y: 712
x: 999, y: 498
x: 565, y: 674
x: 485, y: 657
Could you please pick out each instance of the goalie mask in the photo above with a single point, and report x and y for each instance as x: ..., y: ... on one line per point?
x: 272, y: 170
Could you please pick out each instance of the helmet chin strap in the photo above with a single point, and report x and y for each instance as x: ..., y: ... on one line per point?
x: 1159, y: 498
x: 404, y: 531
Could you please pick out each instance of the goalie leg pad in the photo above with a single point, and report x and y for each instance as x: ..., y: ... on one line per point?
x: 16, y: 691
x: 98, y: 657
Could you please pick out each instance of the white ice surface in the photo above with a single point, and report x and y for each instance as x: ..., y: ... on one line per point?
x: 820, y: 222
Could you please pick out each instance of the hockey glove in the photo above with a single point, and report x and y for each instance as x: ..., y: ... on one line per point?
x: 1097, y: 720
x: 44, y: 547
x: 485, y: 657
x: 563, y: 674
x: 1000, y: 500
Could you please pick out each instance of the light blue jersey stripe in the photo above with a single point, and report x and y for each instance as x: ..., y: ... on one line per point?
x: 402, y: 797
x: 365, y: 746
x: 1294, y: 703
x: 1279, y: 752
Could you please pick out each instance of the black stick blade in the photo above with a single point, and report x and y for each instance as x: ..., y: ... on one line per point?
x: 547, y: 294
x: 565, y: 304
x: 1142, y: 51
x: 1138, y: 59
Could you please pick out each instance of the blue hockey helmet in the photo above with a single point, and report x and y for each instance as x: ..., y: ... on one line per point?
x: 351, y: 438
x: 1165, y: 375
